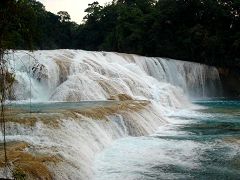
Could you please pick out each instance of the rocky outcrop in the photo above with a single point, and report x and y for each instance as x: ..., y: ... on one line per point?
x: 230, y: 81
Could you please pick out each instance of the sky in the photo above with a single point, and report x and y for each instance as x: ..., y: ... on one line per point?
x: 74, y: 7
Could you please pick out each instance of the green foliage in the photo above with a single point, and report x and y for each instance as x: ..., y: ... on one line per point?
x: 64, y: 16
x: 36, y: 28
x: 204, y: 31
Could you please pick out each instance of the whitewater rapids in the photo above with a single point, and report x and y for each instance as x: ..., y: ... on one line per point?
x: 75, y: 76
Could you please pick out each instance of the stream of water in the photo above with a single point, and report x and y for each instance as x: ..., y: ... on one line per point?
x: 149, y: 129
x: 201, y: 144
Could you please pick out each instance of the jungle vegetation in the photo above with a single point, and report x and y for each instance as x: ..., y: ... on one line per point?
x: 205, y: 31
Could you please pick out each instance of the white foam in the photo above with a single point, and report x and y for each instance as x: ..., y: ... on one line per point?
x: 76, y: 75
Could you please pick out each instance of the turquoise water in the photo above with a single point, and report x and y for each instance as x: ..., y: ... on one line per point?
x: 201, y: 144
x: 41, y: 107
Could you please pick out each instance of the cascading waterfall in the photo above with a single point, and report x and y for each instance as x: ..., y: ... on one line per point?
x: 58, y: 75
x: 76, y: 75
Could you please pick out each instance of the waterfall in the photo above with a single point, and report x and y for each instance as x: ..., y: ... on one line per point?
x: 74, y: 75
x: 75, y: 136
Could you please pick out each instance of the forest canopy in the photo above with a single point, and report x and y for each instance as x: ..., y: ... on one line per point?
x: 205, y: 31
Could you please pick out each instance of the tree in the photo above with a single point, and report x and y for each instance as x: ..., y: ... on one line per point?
x: 64, y: 16
x: 13, y: 23
x: 93, y: 12
x: 204, y: 31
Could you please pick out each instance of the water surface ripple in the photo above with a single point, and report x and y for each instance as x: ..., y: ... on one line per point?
x: 201, y: 144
